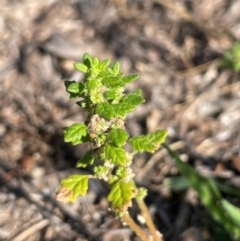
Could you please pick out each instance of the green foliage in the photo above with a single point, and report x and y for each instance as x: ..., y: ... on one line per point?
x: 115, y: 155
x: 87, y: 159
x: 77, y: 184
x: 118, y: 137
x: 105, y: 110
x: 75, y: 133
x: 231, y: 59
x: 101, y: 94
x: 220, y: 209
x: 150, y: 142
x: 127, y: 104
x: 121, y: 195
x: 81, y: 67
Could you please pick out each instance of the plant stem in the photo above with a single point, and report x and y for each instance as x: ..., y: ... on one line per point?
x: 157, y: 236
x: 130, y: 222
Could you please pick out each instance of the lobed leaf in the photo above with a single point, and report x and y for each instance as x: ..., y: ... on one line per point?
x: 105, y: 110
x: 121, y: 195
x: 115, y: 154
x: 118, y: 137
x: 76, y: 185
x: 150, y: 142
x: 75, y: 133
x: 127, y: 104
x: 134, y: 98
x: 87, y: 159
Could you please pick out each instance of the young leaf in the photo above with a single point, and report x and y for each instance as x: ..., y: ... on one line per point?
x: 87, y: 60
x: 67, y: 83
x: 105, y: 110
x: 75, y: 88
x: 122, y: 109
x: 121, y: 195
x: 134, y: 98
x: 114, y: 93
x: 81, y: 67
x: 113, y: 81
x: 115, y: 154
x: 95, y: 63
x: 150, y: 142
x: 130, y: 78
x: 76, y: 185
x: 127, y: 104
x: 75, y: 133
x: 116, y: 68
x: 103, y: 65
x: 87, y: 159
x: 118, y: 137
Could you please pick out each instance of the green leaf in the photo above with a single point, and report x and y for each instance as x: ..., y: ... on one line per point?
x: 81, y: 67
x: 103, y: 65
x: 77, y: 185
x: 128, y: 103
x: 130, y: 78
x: 76, y: 88
x: 93, y: 84
x: 116, y: 67
x: 232, y: 211
x: 150, y: 142
x: 176, y: 183
x: 122, y: 109
x: 118, y: 137
x: 134, y: 98
x: 87, y: 60
x: 210, y: 196
x: 105, y: 110
x: 75, y: 133
x: 114, y: 93
x: 87, y: 159
x: 67, y: 83
x: 121, y: 195
x: 109, y: 71
x: 113, y: 81
x: 115, y: 154
x: 95, y: 63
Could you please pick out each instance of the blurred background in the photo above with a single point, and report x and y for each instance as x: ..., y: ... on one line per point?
x: 186, y: 54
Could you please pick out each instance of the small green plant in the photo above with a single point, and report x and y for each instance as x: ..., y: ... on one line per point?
x: 231, y: 59
x: 101, y: 94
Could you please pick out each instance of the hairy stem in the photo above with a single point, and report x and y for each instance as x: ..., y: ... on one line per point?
x: 157, y: 236
x: 129, y: 221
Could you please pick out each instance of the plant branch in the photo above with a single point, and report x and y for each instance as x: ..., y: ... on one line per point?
x: 130, y: 222
x: 157, y: 236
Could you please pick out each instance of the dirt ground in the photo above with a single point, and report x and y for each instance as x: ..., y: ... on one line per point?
x: 175, y: 46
